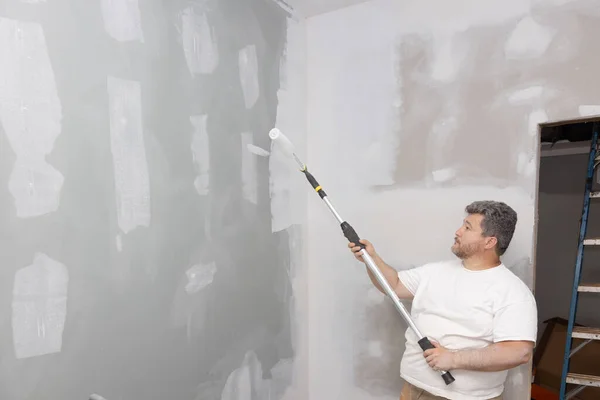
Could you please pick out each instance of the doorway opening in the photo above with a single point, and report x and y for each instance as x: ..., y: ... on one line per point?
x: 564, y: 155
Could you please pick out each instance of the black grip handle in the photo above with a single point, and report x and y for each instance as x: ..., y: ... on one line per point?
x: 351, y: 234
x: 313, y: 182
x: 426, y: 344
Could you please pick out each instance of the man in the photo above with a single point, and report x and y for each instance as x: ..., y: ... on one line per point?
x: 481, y: 318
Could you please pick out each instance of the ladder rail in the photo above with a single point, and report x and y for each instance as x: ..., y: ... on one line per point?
x: 579, y: 261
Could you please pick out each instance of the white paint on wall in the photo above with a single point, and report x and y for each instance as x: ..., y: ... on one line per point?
x: 287, y: 188
x: 248, y: 66
x: 589, y: 110
x: 443, y: 175
x: 132, y: 182
x: 201, y: 153
x: 528, y: 95
x: 122, y: 20
x: 249, y: 172
x: 199, y: 277
x: 259, y: 151
x: 199, y: 42
x: 528, y: 40
x: 378, y: 100
x: 31, y: 113
x: 39, y: 307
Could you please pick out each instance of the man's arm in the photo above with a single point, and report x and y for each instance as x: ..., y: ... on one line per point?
x: 390, y: 274
x: 495, y: 357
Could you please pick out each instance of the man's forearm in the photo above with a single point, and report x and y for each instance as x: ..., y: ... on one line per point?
x: 495, y: 357
x: 390, y: 274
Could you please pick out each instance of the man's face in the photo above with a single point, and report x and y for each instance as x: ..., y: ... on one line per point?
x: 469, y: 239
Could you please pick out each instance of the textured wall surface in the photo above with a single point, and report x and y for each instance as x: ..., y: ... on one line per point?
x: 146, y: 252
x: 415, y: 110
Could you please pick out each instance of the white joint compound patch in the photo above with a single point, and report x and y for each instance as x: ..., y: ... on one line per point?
x: 249, y: 172
x: 122, y: 20
x: 245, y: 382
x: 248, y: 65
x: 31, y: 113
x: 528, y: 40
x: 443, y: 175
x: 199, y: 277
x: 39, y: 307
x: 589, y: 111
x: 449, y: 57
x: 259, y: 151
x: 199, y: 42
x: 200, y: 153
x: 526, y: 96
x: 132, y: 182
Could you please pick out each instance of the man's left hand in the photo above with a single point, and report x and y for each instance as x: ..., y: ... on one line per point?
x: 440, y: 358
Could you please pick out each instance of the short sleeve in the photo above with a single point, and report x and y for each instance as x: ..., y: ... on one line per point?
x: 411, y: 278
x: 516, y: 321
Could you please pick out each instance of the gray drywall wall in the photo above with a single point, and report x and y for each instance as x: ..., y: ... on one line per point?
x: 560, y: 201
x: 137, y: 259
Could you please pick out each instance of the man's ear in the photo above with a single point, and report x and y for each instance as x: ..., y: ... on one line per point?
x: 491, y: 242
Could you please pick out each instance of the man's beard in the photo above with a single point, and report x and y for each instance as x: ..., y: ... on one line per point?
x: 464, y: 251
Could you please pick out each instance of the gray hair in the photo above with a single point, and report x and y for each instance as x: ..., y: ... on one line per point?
x: 499, y: 221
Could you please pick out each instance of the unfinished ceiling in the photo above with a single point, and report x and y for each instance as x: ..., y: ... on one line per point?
x: 309, y: 8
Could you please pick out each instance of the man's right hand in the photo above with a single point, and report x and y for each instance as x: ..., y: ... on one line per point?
x: 356, y: 249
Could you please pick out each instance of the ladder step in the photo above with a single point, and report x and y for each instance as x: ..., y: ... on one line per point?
x: 591, y: 242
x: 594, y: 195
x: 584, y: 332
x: 589, y: 287
x: 585, y: 380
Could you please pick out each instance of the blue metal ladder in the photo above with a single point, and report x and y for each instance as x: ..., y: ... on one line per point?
x: 585, y: 333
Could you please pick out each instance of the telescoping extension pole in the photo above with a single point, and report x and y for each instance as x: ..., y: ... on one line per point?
x: 350, y: 234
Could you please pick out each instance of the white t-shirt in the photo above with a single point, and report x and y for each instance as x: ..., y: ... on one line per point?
x: 462, y: 309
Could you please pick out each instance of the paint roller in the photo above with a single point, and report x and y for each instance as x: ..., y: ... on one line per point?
x: 286, y: 146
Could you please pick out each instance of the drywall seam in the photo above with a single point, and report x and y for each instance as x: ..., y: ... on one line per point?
x: 132, y: 182
x: 248, y: 66
x: 31, y: 113
x: 201, y: 153
x: 199, y: 42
